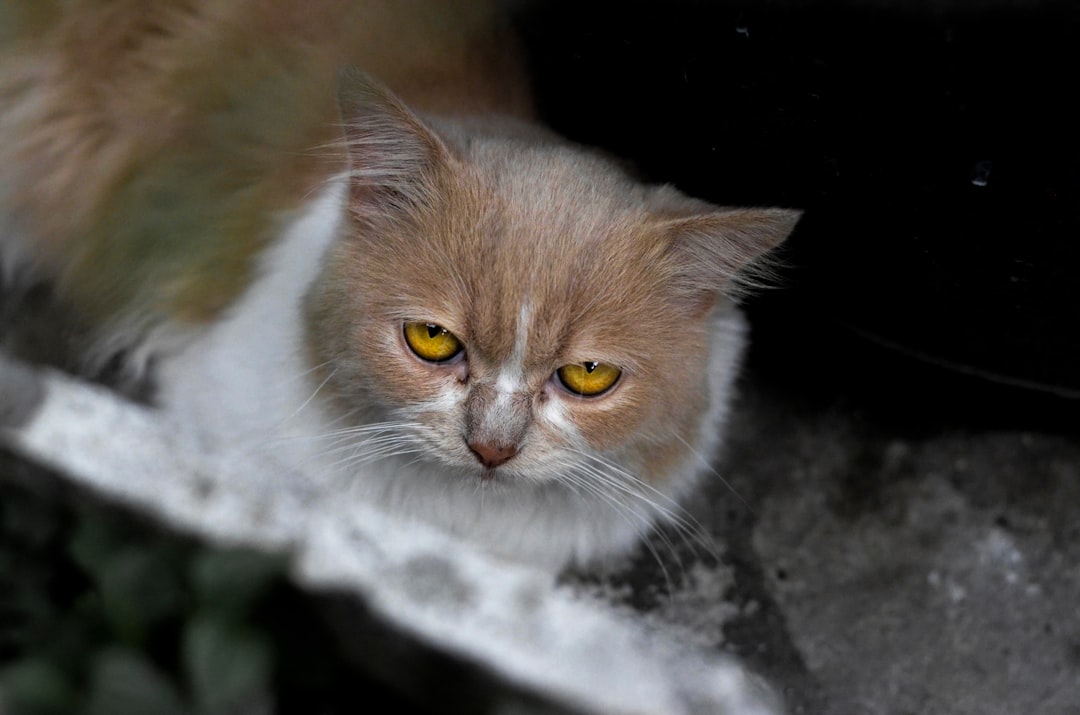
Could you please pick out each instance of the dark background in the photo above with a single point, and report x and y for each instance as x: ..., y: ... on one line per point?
x: 932, y: 145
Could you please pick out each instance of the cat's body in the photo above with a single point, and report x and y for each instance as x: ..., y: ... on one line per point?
x: 478, y: 325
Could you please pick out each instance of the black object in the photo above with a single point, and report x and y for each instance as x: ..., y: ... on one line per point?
x: 932, y: 145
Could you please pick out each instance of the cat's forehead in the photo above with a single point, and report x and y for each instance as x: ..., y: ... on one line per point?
x: 542, y: 246
x: 558, y: 185
x: 563, y: 253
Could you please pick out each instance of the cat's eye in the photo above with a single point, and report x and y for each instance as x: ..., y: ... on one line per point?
x: 588, y: 379
x: 431, y: 342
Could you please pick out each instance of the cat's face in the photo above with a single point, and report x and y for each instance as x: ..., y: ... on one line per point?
x: 513, y: 308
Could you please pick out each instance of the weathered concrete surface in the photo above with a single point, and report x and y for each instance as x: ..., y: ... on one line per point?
x: 572, y: 654
x: 929, y: 573
x: 880, y: 562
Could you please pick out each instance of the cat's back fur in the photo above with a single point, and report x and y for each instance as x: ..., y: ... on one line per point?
x: 151, y: 150
x: 272, y: 231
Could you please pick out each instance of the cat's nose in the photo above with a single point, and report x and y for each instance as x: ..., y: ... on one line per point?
x: 491, y: 455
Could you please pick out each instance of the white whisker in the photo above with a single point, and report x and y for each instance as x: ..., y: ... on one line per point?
x: 311, y: 397
x: 638, y: 522
x: 612, y: 476
x: 708, y: 465
x: 362, y: 455
x: 681, y: 526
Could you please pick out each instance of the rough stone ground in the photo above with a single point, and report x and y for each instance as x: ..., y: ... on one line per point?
x: 913, y: 548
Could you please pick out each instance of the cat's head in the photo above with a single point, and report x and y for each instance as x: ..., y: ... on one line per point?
x: 520, y: 310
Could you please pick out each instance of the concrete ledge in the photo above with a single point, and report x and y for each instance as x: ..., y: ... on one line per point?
x: 529, y: 636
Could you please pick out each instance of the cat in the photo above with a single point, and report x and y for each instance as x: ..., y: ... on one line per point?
x: 463, y: 319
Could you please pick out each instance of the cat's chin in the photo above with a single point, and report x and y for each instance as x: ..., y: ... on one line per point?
x: 492, y: 476
x: 493, y: 479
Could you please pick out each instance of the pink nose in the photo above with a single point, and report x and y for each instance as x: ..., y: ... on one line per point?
x: 491, y: 456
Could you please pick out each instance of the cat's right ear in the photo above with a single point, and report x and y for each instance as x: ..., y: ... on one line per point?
x: 394, y: 159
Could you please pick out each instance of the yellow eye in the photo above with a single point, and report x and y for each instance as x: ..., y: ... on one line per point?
x: 588, y: 379
x: 431, y: 342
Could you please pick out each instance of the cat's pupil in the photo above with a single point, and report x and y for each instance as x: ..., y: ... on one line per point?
x: 433, y: 330
x: 590, y: 366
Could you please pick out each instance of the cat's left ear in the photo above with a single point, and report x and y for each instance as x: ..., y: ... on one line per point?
x: 725, y: 251
x: 394, y: 158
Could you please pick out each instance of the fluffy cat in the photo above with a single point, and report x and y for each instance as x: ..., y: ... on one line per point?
x: 476, y: 323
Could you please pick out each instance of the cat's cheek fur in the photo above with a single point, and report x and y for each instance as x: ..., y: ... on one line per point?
x: 648, y: 413
x: 605, y: 423
x: 401, y: 379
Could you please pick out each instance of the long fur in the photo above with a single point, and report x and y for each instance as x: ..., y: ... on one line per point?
x: 182, y: 172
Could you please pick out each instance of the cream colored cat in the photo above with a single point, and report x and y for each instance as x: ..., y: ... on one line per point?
x: 476, y: 324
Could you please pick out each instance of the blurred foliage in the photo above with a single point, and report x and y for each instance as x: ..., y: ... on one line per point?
x: 101, y: 613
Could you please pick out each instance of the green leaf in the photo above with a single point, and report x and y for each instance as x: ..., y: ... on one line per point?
x: 123, y: 682
x: 232, y: 580
x: 35, y: 685
x: 139, y: 587
x: 92, y: 544
x: 229, y: 667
